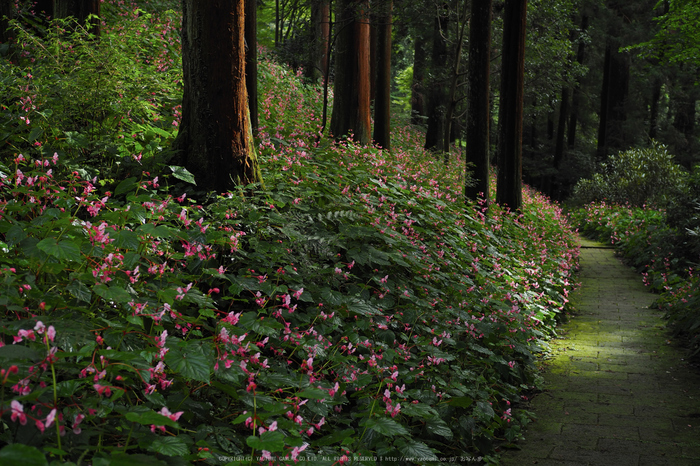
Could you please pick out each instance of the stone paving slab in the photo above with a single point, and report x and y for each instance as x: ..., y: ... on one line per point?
x: 617, y: 390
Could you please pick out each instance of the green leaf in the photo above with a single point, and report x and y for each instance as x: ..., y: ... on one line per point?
x: 126, y: 185
x: 122, y: 459
x: 126, y: 239
x: 150, y: 417
x: 190, y: 361
x: 80, y: 291
x: 335, y: 437
x: 439, y: 427
x: 18, y: 454
x: 461, y: 401
x: 181, y: 173
x: 414, y: 451
x: 169, y: 446
x: 363, y: 308
x: 62, y: 250
x: 386, y: 426
x: 270, y: 441
x: 18, y: 352
x: 35, y: 133
x: 112, y: 293
x: 313, y: 393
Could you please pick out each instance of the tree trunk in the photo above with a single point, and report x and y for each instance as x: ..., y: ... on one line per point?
x: 576, y: 95
x: 418, y: 108
x: 382, y: 103
x: 437, y: 97
x: 510, y: 164
x: 215, y: 141
x: 45, y: 7
x: 654, y: 108
x: 478, y: 116
x: 351, y: 109
x: 7, y: 8
x: 611, y: 132
x: 561, y: 127
x: 321, y: 17
x: 80, y: 10
x: 251, y: 60
x: 451, y: 96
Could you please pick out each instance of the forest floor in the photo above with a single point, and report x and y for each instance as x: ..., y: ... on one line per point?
x: 617, y: 390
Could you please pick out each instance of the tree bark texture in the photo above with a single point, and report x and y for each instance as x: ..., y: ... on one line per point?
x: 510, y: 164
x: 616, y: 75
x: 7, y: 8
x: 382, y: 101
x: 80, y: 10
x: 251, y: 60
x: 561, y: 127
x: 321, y: 17
x: 478, y: 111
x: 437, y: 95
x: 418, y: 107
x: 351, y: 109
x: 576, y: 94
x: 215, y: 141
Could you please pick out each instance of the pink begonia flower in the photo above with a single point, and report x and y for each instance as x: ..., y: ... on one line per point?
x: 51, y: 417
x: 76, y: 424
x: 18, y: 412
x: 297, y: 450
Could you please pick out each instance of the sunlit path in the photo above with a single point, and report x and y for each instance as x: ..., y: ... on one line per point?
x: 617, y: 391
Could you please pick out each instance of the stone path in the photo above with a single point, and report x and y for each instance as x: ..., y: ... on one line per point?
x: 617, y: 391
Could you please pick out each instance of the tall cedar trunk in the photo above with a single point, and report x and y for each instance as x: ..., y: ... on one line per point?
x: 451, y: 96
x: 561, y: 127
x: 45, y: 7
x: 576, y: 94
x: 654, y: 108
x: 321, y: 17
x: 437, y: 97
x: 382, y: 102
x: 510, y: 164
x: 7, y: 8
x: 80, y: 10
x: 351, y: 109
x: 215, y: 141
x: 478, y: 116
x: 611, y: 131
x: 420, y: 62
x: 251, y: 60
x: 373, y: 52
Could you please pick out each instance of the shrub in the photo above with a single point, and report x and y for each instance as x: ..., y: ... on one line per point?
x: 635, y: 177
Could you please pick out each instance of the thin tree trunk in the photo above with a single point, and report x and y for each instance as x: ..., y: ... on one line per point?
x: 382, y: 103
x: 7, y: 9
x: 251, y: 60
x: 509, y: 186
x: 215, y: 141
x: 654, y: 108
x: 478, y: 116
x: 418, y: 109
x: 561, y: 127
x: 437, y: 97
x: 451, y: 99
x: 611, y: 132
x: 576, y: 95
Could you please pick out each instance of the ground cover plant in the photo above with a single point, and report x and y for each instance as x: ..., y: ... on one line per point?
x: 351, y: 309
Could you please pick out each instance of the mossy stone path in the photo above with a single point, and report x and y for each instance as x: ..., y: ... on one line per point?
x: 617, y: 391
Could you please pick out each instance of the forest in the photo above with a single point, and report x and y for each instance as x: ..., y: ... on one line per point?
x: 317, y: 232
